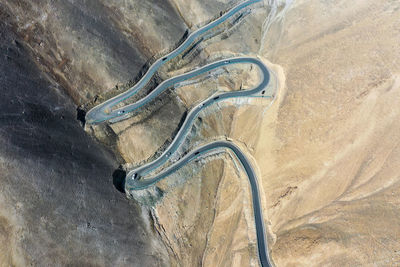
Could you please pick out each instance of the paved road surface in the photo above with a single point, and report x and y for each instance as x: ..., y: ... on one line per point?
x: 105, y: 112
x: 136, y: 179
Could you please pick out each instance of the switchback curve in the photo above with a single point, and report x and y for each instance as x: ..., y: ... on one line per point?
x: 134, y: 180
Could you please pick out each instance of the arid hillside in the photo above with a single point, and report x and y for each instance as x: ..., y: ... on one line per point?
x: 326, y: 151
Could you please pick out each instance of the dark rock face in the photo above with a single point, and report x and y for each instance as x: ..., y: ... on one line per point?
x: 58, y: 205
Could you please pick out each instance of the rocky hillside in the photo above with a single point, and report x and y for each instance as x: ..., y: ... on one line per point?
x: 326, y: 150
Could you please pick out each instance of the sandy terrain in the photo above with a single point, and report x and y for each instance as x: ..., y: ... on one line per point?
x: 326, y: 151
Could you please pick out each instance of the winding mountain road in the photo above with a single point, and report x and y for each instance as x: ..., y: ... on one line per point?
x: 139, y: 178
x: 104, y: 111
